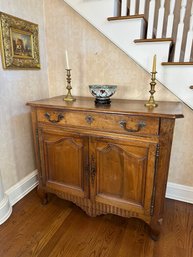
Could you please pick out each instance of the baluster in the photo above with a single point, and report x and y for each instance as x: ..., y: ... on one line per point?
x: 142, y: 7
x: 170, y: 19
x: 160, y: 19
x: 151, y: 19
x: 132, y: 7
x: 117, y: 8
x: 189, y: 39
x: 124, y: 7
x: 180, y: 32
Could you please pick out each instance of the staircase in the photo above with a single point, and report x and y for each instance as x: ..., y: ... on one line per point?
x: 144, y: 28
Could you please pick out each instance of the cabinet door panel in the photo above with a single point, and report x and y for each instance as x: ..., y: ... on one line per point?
x: 65, y: 161
x: 124, y: 174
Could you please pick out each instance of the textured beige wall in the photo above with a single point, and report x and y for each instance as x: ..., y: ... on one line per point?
x: 94, y: 59
x: 16, y: 88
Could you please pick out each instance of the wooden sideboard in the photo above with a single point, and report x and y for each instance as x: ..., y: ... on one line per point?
x: 105, y: 159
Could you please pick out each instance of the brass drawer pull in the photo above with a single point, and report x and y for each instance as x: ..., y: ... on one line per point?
x: 123, y: 124
x: 48, y: 117
x: 89, y: 119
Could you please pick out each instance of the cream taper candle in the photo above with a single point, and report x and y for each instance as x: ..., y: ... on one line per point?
x: 154, y: 64
x: 67, y: 62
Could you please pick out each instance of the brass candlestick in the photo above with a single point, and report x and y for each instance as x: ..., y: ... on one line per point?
x: 151, y: 102
x: 69, y: 97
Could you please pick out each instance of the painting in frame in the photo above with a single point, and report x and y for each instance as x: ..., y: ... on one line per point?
x: 19, y: 43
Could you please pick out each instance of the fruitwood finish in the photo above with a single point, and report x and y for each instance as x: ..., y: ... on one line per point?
x: 105, y: 159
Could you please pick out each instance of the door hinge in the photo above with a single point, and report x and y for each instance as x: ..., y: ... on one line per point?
x: 157, y: 153
x: 37, y: 141
x: 38, y: 155
x: 87, y: 171
x: 92, y: 169
x: 36, y: 131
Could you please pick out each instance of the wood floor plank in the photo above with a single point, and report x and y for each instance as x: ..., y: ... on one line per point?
x: 19, y: 223
x: 46, y: 235
x: 166, y: 244
x: 60, y: 229
x: 32, y: 222
x: 60, y: 239
x: 89, y: 237
x: 19, y: 214
x: 181, y: 223
x: 106, y: 239
x: 136, y: 235
x: 189, y: 231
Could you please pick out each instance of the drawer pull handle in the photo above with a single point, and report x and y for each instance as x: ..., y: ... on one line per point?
x: 48, y: 117
x: 123, y: 124
x: 89, y: 119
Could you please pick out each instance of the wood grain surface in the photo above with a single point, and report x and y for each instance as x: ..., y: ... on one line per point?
x: 60, y: 229
x: 117, y: 106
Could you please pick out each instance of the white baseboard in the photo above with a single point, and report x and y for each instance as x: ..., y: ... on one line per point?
x: 16, y: 193
x: 5, y: 209
x: 179, y: 192
x: 22, y: 188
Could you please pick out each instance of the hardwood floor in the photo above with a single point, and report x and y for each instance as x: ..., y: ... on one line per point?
x: 60, y: 229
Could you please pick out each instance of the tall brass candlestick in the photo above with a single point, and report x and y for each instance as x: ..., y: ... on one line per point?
x: 69, y: 97
x: 151, y: 103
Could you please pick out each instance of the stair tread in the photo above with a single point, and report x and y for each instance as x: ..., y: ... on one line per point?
x: 129, y: 17
x: 177, y: 63
x: 153, y: 40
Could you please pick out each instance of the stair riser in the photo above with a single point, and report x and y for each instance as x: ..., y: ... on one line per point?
x: 143, y: 54
x: 123, y: 32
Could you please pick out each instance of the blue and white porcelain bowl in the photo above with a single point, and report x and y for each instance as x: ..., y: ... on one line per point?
x: 102, y: 93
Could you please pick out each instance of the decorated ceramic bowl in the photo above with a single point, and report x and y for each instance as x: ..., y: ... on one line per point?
x: 102, y: 93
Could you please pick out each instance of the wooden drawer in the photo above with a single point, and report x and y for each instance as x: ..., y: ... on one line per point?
x: 100, y: 121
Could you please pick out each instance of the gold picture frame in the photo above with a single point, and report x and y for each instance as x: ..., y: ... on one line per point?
x: 19, y: 43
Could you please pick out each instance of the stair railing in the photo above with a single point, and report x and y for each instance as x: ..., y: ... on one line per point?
x: 166, y: 19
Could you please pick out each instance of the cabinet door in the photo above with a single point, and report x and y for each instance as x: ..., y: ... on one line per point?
x: 64, y: 162
x: 122, y: 173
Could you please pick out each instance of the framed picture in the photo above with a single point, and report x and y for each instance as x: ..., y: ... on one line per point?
x: 19, y: 43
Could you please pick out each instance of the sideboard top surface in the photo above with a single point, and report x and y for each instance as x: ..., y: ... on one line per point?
x: 123, y: 106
